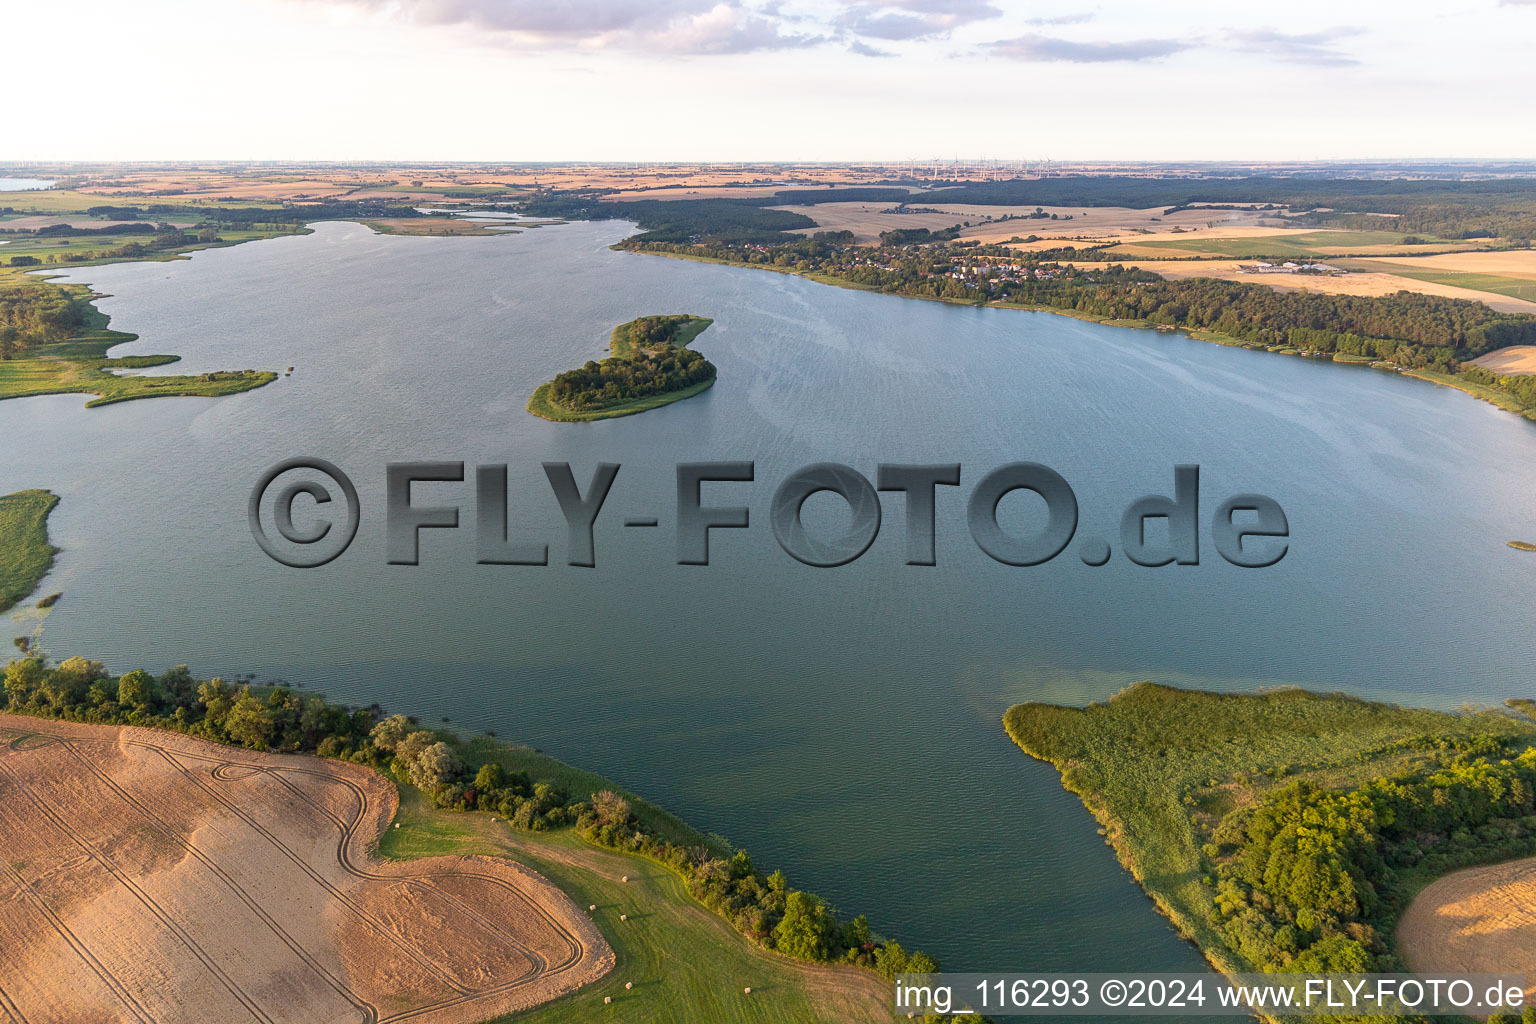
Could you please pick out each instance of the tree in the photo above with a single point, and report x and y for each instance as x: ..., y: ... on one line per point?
x: 70, y: 683
x: 249, y: 723
x: 489, y: 777
x: 22, y: 679
x: 216, y: 701
x: 178, y: 686
x: 805, y: 933
x: 388, y: 733
x: 610, y: 807
x: 414, y: 743
x: 136, y: 690
x: 433, y: 766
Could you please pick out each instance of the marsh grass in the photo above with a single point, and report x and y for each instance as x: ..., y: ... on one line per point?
x: 1158, y: 766
x: 25, y: 553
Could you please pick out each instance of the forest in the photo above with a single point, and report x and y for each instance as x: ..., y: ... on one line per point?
x: 1309, y: 879
x: 1496, y: 208
x: 680, y: 220
x: 650, y: 359
x: 1502, y: 208
x: 1409, y: 329
x: 759, y: 905
x: 37, y: 314
x: 1286, y: 830
x: 616, y: 379
x: 236, y: 216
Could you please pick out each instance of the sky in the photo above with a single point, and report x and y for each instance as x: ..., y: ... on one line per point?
x: 760, y: 80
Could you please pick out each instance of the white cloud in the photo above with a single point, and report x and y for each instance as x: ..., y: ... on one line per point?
x: 1318, y: 48
x: 1036, y: 47
x: 913, y: 19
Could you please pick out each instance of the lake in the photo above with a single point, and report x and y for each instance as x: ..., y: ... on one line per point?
x: 840, y: 723
x: 23, y: 184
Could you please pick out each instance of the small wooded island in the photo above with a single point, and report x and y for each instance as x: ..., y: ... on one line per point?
x: 651, y: 366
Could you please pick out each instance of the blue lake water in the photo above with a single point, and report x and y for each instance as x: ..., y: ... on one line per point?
x: 23, y: 184
x: 842, y: 723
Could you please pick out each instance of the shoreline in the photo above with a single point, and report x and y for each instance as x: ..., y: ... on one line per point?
x: 546, y: 408
x: 1145, y: 766
x: 82, y: 363
x: 28, y: 551
x: 637, y: 829
x: 1481, y: 392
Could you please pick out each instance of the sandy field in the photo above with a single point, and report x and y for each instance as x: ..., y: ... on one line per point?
x: 1098, y: 224
x: 43, y: 220
x: 1516, y: 263
x: 1367, y: 284
x: 267, y: 183
x: 1478, y: 920
x: 1515, y: 359
x: 154, y: 878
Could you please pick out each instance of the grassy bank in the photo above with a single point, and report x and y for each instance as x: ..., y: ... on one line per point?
x: 540, y: 404
x: 702, y: 921
x: 1493, y: 396
x: 80, y: 365
x: 628, y: 358
x: 1164, y: 769
x: 686, y: 965
x: 25, y: 554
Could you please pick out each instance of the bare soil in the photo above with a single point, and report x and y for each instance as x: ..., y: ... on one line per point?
x: 1482, y: 920
x: 1515, y: 359
x: 1366, y: 284
x: 152, y: 877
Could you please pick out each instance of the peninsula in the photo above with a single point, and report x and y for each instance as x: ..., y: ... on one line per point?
x: 1289, y: 830
x: 27, y: 555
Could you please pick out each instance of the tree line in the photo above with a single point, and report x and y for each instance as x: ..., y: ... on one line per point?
x: 620, y: 379
x: 760, y: 906
x: 36, y: 314
x: 1407, y: 328
x: 1498, y: 207
x: 1312, y: 879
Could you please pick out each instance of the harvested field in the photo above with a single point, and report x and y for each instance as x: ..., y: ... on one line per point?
x: 1098, y: 223
x: 1514, y: 263
x: 1515, y: 359
x: 152, y: 877
x: 1367, y: 284
x: 1478, y: 920
x: 35, y: 221
x: 227, y: 182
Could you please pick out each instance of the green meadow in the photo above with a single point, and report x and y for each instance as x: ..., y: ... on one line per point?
x: 686, y: 964
x: 25, y: 554
x: 1160, y: 768
x: 1310, y: 244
